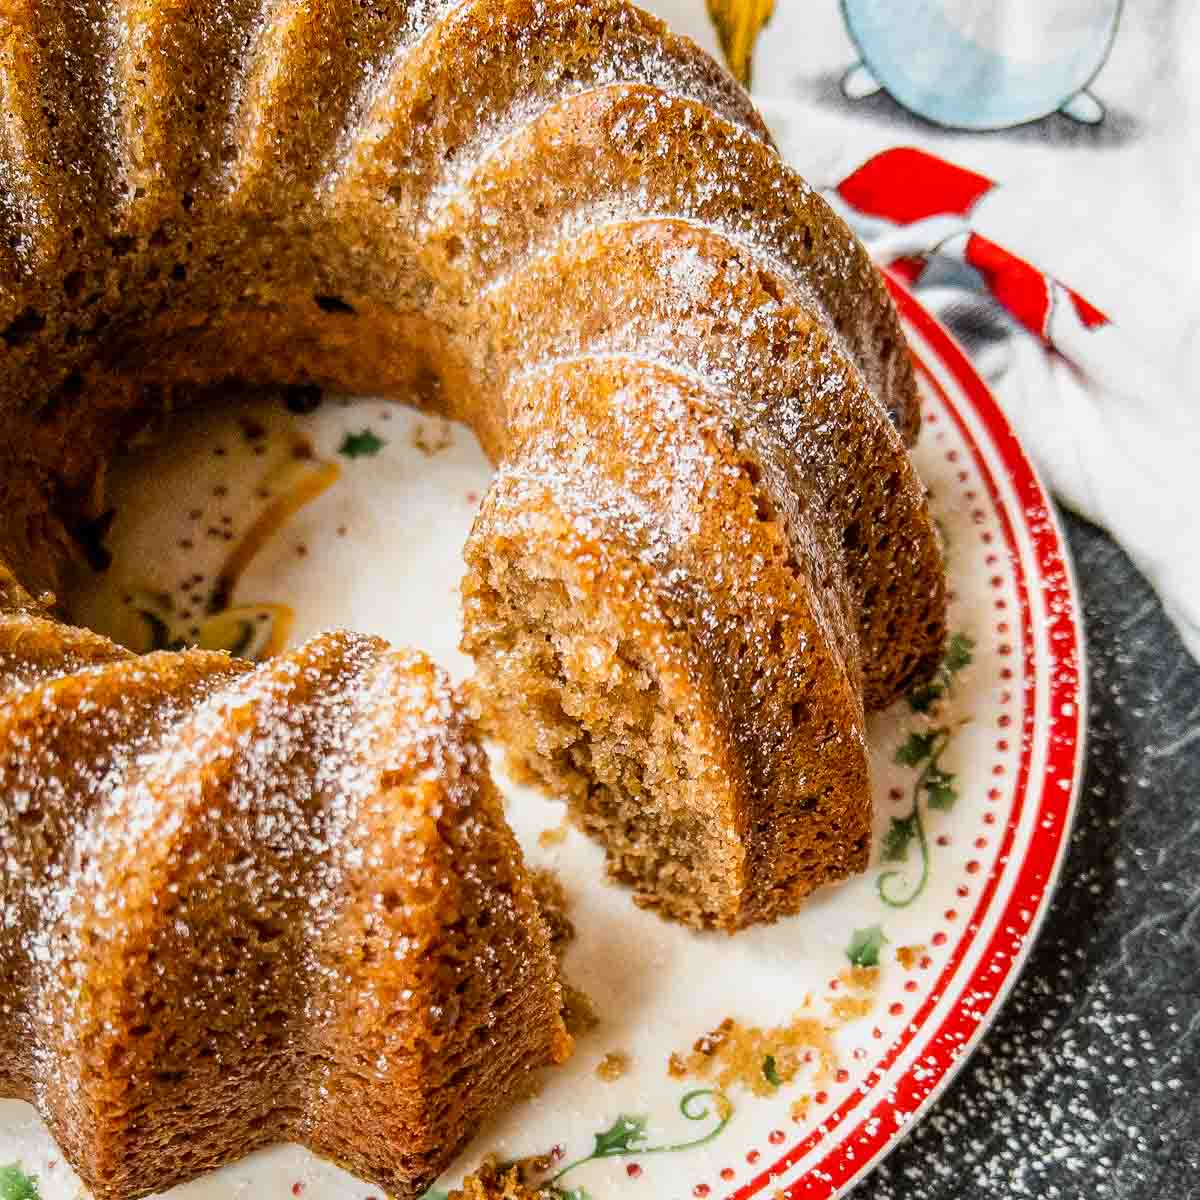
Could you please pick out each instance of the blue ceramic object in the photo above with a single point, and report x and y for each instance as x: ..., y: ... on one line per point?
x: 971, y: 64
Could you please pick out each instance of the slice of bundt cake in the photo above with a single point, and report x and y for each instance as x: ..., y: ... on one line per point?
x: 244, y: 906
x: 704, y: 556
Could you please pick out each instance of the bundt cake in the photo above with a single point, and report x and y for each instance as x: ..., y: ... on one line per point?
x: 251, y: 904
x: 244, y: 906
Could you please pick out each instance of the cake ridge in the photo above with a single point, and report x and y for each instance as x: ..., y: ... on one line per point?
x: 374, y: 92
x: 714, y: 194
x: 511, y: 87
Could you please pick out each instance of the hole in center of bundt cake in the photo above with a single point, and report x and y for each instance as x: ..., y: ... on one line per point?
x: 252, y: 524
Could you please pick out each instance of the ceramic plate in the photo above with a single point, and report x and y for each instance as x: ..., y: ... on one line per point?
x: 782, y: 1061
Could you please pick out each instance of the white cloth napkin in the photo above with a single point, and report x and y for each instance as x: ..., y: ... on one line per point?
x: 1099, y: 378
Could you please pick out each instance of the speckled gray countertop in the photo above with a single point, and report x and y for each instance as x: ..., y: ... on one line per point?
x: 1088, y: 1085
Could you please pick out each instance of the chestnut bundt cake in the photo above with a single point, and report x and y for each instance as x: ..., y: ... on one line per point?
x: 251, y: 904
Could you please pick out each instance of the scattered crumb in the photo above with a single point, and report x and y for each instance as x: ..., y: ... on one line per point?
x: 613, y: 1065
x: 907, y: 956
x: 579, y: 1013
x: 432, y: 437
x: 862, y: 984
x: 799, y: 1109
x: 495, y: 1181
x: 552, y: 837
x: 863, y: 979
x: 734, y: 1053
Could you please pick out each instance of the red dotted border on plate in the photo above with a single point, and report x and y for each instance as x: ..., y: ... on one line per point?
x: 943, y: 1052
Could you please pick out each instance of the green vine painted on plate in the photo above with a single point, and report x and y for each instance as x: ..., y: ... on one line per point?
x: 627, y: 1136
x: 934, y: 784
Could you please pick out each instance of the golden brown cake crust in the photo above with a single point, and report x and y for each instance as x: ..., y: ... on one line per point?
x: 567, y: 227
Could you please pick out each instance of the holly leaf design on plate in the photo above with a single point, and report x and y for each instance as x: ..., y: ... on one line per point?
x: 865, y: 945
x: 923, y: 698
x: 959, y: 653
x: 941, y: 787
x: 361, y: 445
x: 738, y: 24
x: 916, y: 748
x: 621, y: 1137
x: 16, y: 1185
x: 895, y: 842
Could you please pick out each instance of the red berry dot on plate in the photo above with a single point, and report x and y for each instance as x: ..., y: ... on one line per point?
x: 994, y: 793
x: 752, y: 1157
x: 952, y: 455
x: 727, y: 1173
x: 951, y: 914
x: 633, y: 1170
x: 910, y: 985
x: 943, y: 839
x: 998, y: 769
x: 842, y: 1075
x: 895, y: 1008
x: 989, y: 818
x: 701, y: 1189
x: 1004, y: 720
x: 986, y: 538
x: 877, y: 1032
x: 926, y: 962
x: 981, y: 842
x: 860, y: 1053
x: 822, y: 1097
x: 963, y: 890
x: 297, y: 1188
x: 939, y: 938
x: 1002, y: 745
x: 776, y: 1136
x: 1006, y: 673
x: 973, y: 867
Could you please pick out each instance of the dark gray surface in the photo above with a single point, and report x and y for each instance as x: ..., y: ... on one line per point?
x: 1089, y: 1082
